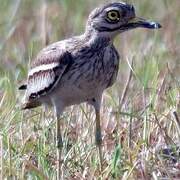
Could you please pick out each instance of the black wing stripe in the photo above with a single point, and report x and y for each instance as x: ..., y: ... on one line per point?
x: 42, y: 82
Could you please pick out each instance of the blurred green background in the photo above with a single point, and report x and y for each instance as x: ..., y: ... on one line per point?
x: 26, y: 141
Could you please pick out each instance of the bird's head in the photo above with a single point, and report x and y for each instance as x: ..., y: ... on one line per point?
x: 114, y: 18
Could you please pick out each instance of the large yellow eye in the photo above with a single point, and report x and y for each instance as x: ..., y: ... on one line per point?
x: 113, y: 16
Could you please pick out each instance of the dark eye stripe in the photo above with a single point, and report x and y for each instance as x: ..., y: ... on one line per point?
x: 123, y: 14
x: 111, y: 22
x: 107, y: 29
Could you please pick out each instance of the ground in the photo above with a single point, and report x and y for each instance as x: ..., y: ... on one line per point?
x: 140, y: 113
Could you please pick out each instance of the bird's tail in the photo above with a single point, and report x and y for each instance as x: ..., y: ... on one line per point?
x: 23, y: 87
x: 30, y: 104
x: 27, y: 103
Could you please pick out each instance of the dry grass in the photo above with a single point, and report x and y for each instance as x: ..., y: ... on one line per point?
x: 140, y: 113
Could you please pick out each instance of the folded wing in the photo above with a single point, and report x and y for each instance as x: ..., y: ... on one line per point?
x: 46, y: 71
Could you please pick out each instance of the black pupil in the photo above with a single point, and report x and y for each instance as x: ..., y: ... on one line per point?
x: 113, y: 14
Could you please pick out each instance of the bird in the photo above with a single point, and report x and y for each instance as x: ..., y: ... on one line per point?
x: 80, y: 68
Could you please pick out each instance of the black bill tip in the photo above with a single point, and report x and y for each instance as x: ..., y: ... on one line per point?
x: 152, y: 25
x: 140, y: 22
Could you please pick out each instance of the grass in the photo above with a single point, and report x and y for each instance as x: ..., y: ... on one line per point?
x: 140, y: 113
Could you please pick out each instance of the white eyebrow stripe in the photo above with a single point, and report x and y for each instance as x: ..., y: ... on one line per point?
x: 112, y: 8
x: 42, y: 67
x: 123, y: 3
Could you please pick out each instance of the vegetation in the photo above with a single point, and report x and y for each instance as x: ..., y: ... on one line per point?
x: 140, y: 113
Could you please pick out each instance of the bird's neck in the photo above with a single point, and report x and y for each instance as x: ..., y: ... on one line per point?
x: 94, y: 37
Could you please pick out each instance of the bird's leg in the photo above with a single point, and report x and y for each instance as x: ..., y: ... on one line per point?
x: 96, y: 102
x: 58, y: 109
x: 98, y: 137
x: 59, y: 145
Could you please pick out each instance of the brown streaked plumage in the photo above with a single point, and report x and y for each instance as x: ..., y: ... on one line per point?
x: 79, y: 69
